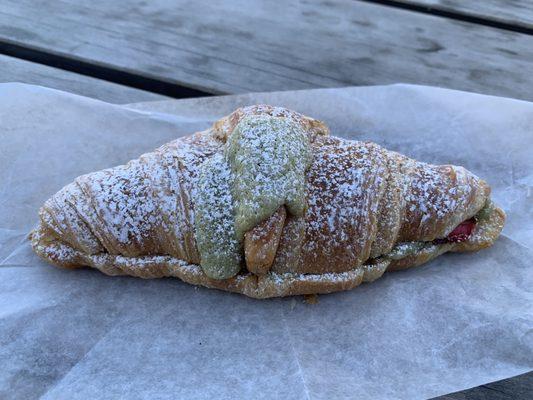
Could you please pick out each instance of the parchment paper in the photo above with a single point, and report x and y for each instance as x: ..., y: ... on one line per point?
x: 457, y: 322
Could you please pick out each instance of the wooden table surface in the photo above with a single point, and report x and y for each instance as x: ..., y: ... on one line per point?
x: 240, y: 46
x: 142, y: 50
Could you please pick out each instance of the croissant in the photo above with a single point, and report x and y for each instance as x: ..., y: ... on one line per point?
x: 266, y: 203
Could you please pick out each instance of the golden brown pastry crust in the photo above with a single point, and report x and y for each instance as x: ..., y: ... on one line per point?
x: 261, y: 242
x: 363, y: 200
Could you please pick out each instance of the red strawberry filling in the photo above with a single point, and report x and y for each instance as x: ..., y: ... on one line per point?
x: 460, y: 233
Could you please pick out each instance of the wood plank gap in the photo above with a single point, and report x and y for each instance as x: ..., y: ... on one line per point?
x: 103, y: 72
x: 464, y: 17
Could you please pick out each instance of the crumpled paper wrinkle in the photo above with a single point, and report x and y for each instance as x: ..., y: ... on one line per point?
x: 459, y: 321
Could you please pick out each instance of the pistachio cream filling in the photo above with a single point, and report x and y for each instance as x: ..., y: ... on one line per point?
x: 402, y: 250
x: 218, y: 245
x: 262, y: 167
x: 485, y: 212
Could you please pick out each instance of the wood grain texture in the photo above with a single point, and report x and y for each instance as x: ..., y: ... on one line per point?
x: 515, y: 12
x: 517, y: 388
x: 15, y: 70
x: 242, y: 46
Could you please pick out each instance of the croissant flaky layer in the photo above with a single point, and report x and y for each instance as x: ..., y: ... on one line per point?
x: 368, y: 210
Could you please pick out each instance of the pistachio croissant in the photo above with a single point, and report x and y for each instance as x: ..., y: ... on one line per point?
x: 266, y: 203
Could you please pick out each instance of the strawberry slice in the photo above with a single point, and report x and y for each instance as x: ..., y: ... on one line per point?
x: 462, y: 232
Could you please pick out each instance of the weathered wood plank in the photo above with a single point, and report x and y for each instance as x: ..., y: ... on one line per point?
x: 15, y: 70
x: 517, y: 388
x: 516, y: 12
x: 241, y: 46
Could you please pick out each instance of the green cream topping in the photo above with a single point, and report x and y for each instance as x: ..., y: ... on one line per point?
x: 261, y: 168
x: 268, y: 156
x: 485, y: 213
x: 220, y: 250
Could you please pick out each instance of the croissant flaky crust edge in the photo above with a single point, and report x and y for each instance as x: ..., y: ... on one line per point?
x: 402, y: 203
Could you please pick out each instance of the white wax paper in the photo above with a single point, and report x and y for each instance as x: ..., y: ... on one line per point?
x: 457, y: 322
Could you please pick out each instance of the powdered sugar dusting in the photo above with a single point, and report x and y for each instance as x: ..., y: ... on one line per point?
x: 223, y: 128
x: 143, y: 207
x: 219, y: 245
x: 262, y: 167
x: 143, y: 216
x: 344, y: 183
x: 437, y: 198
x: 269, y: 156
